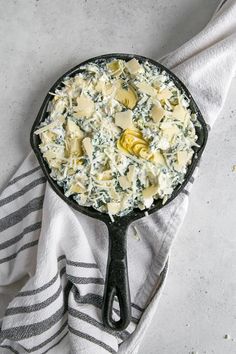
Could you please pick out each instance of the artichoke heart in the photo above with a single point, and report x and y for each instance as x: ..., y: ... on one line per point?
x: 115, y: 67
x: 126, y: 96
x: 77, y: 188
x: 73, y: 147
x: 132, y: 142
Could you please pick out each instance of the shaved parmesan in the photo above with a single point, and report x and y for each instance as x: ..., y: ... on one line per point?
x: 164, y: 94
x: 124, y: 182
x: 59, y: 105
x: 73, y: 129
x: 148, y: 194
x: 133, y: 66
x: 49, y: 154
x: 182, y: 157
x: 146, y: 88
x: 162, y: 181
x: 85, y: 106
x: 169, y: 130
x: 100, y: 85
x: 79, y: 81
x: 114, y: 195
x: 113, y: 208
x: 105, y: 175
x: 180, y: 113
x: 124, y: 119
x: 57, y: 121
x: 157, y: 113
x: 163, y: 143
x: 108, y: 89
x: 131, y: 173
x: 148, y: 202
x: 47, y: 137
x: 87, y: 144
x: 158, y: 158
x: 150, y: 191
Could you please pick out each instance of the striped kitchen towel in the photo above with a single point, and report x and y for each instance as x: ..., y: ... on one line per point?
x: 53, y: 259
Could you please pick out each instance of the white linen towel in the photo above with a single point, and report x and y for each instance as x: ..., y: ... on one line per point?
x: 53, y: 259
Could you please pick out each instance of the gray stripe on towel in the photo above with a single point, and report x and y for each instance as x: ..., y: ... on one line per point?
x: 23, y: 175
x: 82, y: 264
x: 17, y: 216
x: 91, y: 339
x: 17, y: 238
x: 21, y: 192
x: 84, y: 317
x: 54, y: 345
x: 43, y: 287
x: 35, y: 307
x: 14, y: 255
x: 93, y: 299
x: 9, y: 348
x: 50, y: 339
x: 34, y: 329
x: 84, y: 280
x: 53, y: 280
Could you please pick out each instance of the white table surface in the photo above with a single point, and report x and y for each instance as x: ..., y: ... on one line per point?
x: 39, y: 41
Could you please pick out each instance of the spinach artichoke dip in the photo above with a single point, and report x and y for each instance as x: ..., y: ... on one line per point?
x: 118, y: 135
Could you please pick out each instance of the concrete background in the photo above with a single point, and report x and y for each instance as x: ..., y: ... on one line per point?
x: 39, y: 41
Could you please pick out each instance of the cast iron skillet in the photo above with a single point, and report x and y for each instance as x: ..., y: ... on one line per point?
x: 117, y: 272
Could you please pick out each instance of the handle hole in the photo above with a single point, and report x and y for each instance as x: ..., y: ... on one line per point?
x: 116, y: 311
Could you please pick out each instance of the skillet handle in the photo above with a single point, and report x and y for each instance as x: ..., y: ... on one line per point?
x: 117, y: 283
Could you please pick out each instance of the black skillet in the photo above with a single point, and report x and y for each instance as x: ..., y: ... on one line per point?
x: 117, y: 283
